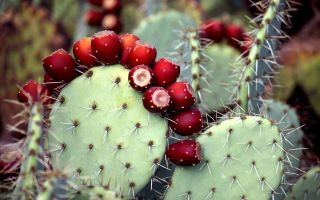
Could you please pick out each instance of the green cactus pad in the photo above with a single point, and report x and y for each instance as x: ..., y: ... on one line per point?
x: 242, y: 159
x: 214, y: 83
x: 97, y: 193
x: 102, y: 133
x: 287, y: 120
x: 160, y: 30
x: 307, y: 187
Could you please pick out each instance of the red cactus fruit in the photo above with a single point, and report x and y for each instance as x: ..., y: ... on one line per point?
x: 128, y: 42
x: 51, y: 84
x: 181, y: 96
x: 186, y: 122
x: 60, y: 66
x: 10, y: 161
x: 112, y: 22
x: 166, y: 72
x: 83, y: 53
x: 112, y: 6
x: 235, y: 35
x: 93, y: 17
x: 214, y: 30
x: 33, y: 92
x: 156, y: 99
x: 185, y: 152
x: 95, y: 2
x: 142, y: 54
x: 141, y: 77
x: 106, y: 47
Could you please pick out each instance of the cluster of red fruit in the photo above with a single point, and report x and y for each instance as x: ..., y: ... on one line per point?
x: 105, y: 14
x: 217, y: 31
x: 157, y: 81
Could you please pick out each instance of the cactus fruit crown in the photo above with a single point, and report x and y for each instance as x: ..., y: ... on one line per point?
x: 101, y: 129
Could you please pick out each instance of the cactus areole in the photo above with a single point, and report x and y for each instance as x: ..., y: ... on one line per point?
x: 106, y: 125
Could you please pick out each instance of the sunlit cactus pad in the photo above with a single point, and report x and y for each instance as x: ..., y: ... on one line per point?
x: 242, y: 159
x: 102, y: 133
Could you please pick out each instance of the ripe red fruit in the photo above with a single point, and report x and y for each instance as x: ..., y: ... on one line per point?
x: 60, y: 66
x: 128, y: 42
x: 51, y: 84
x: 156, y: 99
x: 235, y: 34
x: 83, y: 53
x: 112, y: 6
x: 141, y: 77
x: 166, y: 72
x: 181, y: 96
x: 185, y: 152
x: 112, y: 22
x: 106, y: 47
x: 33, y: 92
x: 214, y: 30
x: 93, y: 17
x: 142, y: 54
x: 95, y: 2
x: 186, y: 122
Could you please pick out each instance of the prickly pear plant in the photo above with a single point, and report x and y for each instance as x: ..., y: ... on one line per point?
x: 243, y: 155
x: 307, y: 187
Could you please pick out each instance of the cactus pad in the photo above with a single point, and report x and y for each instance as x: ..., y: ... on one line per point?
x: 242, y: 159
x: 169, y: 22
x: 214, y: 84
x: 307, y: 187
x: 101, y: 131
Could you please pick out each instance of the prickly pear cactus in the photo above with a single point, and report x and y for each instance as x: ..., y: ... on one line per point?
x: 101, y: 131
x: 170, y: 22
x: 307, y: 187
x: 242, y: 159
x: 214, y: 84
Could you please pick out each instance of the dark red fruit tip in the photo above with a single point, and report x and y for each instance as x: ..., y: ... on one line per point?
x: 82, y: 51
x: 33, y: 92
x: 235, y: 35
x: 93, y: 17
x: 214, y: 30
x: 181, y: 96
x: 127, y: 42
x: 156, y: 99
x: 112, y: 22
x: 51, y: 84
x: 106, y: 47
x: 187, y: 122
x: 185, y: 153
x: 166, y: 72
x: 60, y: 66
x: 142, y: 54
x: 141, y: 77
x: 95, y: 2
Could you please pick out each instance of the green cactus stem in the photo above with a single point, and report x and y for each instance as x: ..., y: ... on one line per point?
x: 258, y: 66
x: 27, y: 181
